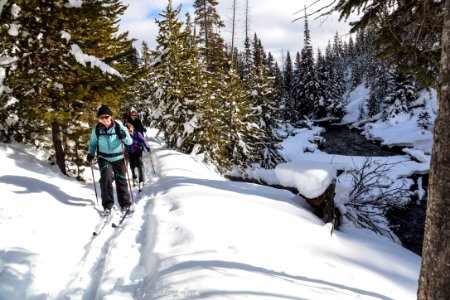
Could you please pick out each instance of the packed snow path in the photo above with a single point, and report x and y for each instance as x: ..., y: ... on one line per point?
x: 193, y: 235
x: 110, y: 266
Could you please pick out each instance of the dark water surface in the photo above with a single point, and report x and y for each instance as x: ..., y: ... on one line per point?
x: 344, y: 141
x: 407, y: 223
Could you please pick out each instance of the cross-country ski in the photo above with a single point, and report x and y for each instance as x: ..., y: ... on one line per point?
x: 122, y: 216
x: 104, y: 220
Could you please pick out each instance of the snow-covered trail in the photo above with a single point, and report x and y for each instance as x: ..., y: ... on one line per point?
x: 114, y: 262
x: 193, y: 235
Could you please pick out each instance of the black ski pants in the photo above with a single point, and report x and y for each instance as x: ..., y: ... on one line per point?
x: 137, y: 163
x: 110, y: 171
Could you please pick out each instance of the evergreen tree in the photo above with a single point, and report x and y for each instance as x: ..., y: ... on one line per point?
x: 243, y: 137
x: 424, y: 122
x: 141, y: 90
x: 297, y: 90
x: 309, y: 99
x: 197, y: 114
x: 226, y: 90
x: 276, y: 78
x: 402, y: 91
x: 379, y: 80
x: 355, y: 54
x: 210, y: 41
x: 246, y: 59
x: 174, y: 76
x: 342, y: 71
x: 288, y: 90
x: 264, y: 98
x: 63, y: 68
x: 211, y: 139
x: 402, y: 39
x: 333, y: 107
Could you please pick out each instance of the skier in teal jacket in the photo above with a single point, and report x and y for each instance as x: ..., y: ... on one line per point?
x: 107, y: 139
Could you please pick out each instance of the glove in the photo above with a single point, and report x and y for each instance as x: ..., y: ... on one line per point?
x: 89, y: 157
x: 144, y: 130
x: 148, y: 149
x: 121, y: 135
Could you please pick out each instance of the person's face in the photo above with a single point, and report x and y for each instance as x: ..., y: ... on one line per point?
x: 105, y: 120
x: 130, y: 130
x: 133, y: 115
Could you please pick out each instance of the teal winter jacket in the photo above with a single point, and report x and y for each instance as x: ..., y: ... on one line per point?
x: 109, y: 144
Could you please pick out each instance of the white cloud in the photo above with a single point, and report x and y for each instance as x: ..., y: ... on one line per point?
x: 271, y: 20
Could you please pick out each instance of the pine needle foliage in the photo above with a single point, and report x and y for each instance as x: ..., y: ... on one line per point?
x: 67, y: 61
x: 408, y: 32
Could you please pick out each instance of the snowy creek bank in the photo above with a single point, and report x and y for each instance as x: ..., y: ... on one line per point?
x: 407, y: 223
x: 345, y: 147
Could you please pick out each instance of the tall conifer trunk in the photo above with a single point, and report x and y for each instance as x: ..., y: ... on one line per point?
x: 434, y: 281
x: 58, y: 147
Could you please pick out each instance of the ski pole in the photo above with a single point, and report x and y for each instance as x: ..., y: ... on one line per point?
x: 128, y: 176
x: 151, y: 160
x: 151, y: 155
x: 93, y: 178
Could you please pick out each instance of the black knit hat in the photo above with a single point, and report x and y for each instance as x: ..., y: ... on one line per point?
x: 104, y: 110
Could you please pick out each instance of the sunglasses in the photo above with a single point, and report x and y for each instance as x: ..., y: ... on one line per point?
x: 105, y: 117
x: 134, y: 115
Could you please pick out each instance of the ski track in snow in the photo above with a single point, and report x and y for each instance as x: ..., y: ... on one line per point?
x: 95, y: 277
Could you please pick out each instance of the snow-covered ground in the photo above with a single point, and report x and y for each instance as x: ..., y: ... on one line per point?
x: 193, y: 235
x: 197, y: 235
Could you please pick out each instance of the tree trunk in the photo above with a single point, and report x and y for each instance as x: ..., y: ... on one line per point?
x: 434, y: 281
x: 58, y: 146
x: 232, y: 33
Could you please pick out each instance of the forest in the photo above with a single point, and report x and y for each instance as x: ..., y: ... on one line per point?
x: 60, y: 60
x: 203, y: 95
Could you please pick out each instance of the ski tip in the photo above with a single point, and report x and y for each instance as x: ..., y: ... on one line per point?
x: 114, y: 225
x: 94, y: 233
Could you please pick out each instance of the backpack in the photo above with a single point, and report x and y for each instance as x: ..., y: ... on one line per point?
x: 97, y: 131
x: 116, y: 127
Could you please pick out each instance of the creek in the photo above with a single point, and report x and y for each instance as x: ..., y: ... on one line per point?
x: 407, y: 223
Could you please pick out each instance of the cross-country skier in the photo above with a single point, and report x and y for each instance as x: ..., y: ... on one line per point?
x: 135, y: 153
x: 107, y: 139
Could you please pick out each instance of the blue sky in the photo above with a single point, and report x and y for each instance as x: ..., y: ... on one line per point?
x: 272, y: 22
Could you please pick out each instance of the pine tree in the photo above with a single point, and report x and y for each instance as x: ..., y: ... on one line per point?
x: 209, y: 40
x: 276, y: 78
x: 264, y: 99
x: 309, y: 100
x: 297, y: 90
x: 288, y: 90
x: 333, y: 107
x: 56, y: 90
x: 174, y: 77
x: 243, y: 137
x: 226, y: 94
x: 401, y: 91
x: 424, y: 122
x: 357, y: 59
x: 378, y: 79
x: 341, y: 69
x: 141, y: 89
x: 402, y: 38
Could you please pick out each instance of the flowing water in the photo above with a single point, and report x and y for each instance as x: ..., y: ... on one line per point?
x: 345, y: 141
x: 407, y: 223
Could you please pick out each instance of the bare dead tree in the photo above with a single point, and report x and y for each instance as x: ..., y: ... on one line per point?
x: 373, y: 194
x: 232, y: 32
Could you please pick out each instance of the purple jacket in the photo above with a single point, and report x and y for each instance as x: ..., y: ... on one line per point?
x: 138, y: 141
